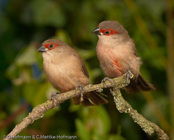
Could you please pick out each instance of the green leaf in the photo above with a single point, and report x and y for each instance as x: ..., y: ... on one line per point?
x: 81, y: 130
x: 40, y: 94
x: 29, y: 91
x: 27, y: 57
x: 105, y: 120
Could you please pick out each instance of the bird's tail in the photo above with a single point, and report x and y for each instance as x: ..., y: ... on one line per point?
x: 90, y: 99
x: 139, y: 84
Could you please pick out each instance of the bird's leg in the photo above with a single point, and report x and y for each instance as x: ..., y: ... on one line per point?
x: 81, y: 92
x: 53, y: 96
x: 106, y: 79
x: 129, y: 75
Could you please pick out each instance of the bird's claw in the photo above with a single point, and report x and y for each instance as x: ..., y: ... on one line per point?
x: 106, y: 79
x: 81, y: 92
x: 129, y: 75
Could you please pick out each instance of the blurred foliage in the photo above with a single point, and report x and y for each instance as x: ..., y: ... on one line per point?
x: 26, y: 24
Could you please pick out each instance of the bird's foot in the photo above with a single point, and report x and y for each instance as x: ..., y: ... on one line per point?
x: 129, y: 75
x: 53, y: 96
x: 81, y: 92
x: 106, y: 79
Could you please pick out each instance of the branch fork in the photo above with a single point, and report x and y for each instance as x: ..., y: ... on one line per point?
x: 121, y: 105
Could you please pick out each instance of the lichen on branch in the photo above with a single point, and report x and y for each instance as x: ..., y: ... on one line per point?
x: 147, y: 126
x: 122, y: 105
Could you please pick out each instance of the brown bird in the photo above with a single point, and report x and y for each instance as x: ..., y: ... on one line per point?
x: 66, y: 71
x: 117, y: 54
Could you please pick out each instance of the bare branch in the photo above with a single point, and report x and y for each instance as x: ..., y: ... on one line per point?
x: 147, y: 126
x: 119, y: 82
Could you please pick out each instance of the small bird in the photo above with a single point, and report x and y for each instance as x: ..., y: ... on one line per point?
x: 66, y: 71
x: 117, y: 55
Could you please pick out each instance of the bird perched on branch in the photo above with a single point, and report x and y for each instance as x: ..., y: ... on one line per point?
x: 66, y: 71
x: 117, y: 54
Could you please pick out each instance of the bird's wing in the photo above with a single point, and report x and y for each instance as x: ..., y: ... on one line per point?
x: 85, y: 71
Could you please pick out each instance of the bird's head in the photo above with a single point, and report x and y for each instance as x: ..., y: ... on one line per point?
x: 51, y: 45
x: 110, y: 29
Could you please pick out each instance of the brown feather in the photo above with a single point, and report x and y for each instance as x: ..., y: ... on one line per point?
x: 140, y: 84
x: 117, y: 54
x: 66, y: 71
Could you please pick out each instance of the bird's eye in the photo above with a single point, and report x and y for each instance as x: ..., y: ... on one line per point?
x: 107, y: 32
x: 51, y: 46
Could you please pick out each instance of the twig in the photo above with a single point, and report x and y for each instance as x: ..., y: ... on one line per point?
x: 119, y: 82
x: 147, y: 126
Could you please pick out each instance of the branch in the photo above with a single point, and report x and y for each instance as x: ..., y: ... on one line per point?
x: 119, y: 82
x: 147, y: 126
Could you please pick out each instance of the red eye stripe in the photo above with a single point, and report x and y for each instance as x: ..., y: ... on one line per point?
x: 54, y: 45
x: 109, y: 30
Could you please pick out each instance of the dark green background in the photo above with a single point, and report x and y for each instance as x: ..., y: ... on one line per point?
x: 24, y: 25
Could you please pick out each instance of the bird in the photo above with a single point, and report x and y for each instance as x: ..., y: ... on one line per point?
x: 66, y: 71
x: 117, y: 55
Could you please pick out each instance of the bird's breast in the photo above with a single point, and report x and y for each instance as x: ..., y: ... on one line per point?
x: 109, y: 64
x: 65, y: 75
x: 54, y: 74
